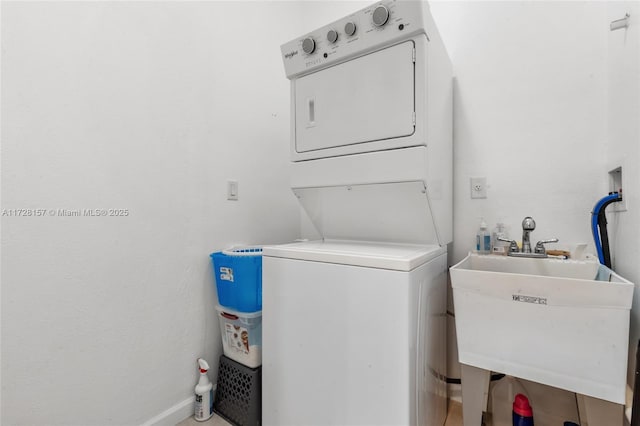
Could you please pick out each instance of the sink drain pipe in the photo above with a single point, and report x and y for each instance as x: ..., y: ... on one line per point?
x: 599, y: 221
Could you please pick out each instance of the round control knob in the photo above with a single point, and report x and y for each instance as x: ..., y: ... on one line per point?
x: 380, y: 16
x: 332, y: 36
x: 308, y: 45
x: 350, y: 28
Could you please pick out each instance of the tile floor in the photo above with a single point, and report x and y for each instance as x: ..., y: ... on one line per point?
x: 454, y: 418
x: 213, y: 421
x: 454, y: 415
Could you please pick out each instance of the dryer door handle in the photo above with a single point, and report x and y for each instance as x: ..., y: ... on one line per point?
x: 311, y: 117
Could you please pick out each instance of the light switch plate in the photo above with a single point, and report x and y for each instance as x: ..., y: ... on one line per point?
x: 232, y: 190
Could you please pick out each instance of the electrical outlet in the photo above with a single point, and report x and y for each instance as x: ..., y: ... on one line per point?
x: 478, y: 187
x: 232, y: 190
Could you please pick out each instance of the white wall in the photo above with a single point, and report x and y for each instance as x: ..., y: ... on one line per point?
x: 623, y: 135
x: 529, y: 115
x: 150, y: 107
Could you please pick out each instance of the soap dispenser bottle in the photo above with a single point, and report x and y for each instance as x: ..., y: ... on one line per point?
x: 483, y: 239
x: 497, y: 246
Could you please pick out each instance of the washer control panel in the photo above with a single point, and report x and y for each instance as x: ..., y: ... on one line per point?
x: 366, y: 30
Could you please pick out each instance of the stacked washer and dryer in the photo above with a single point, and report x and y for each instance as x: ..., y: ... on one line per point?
x: 354, y: 324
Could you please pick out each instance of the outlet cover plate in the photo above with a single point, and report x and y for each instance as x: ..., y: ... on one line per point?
x: 478, y: 187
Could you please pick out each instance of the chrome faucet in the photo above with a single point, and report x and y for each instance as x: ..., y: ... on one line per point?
x: 528, y: 225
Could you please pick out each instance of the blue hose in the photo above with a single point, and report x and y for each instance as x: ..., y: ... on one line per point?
x: 594, y: 221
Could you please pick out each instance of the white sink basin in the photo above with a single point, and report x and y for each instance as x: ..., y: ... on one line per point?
x: 582, y: 269
x: 564, y: 323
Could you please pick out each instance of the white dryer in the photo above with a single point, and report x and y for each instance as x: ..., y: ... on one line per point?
x: 354, y: 324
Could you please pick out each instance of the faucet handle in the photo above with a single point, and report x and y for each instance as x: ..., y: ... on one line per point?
x: 540, y: 245
x: 513, y: 245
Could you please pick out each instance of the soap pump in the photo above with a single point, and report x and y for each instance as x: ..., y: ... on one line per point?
x: 499, y: 246
x: 204, y: 394
x: 483, y: 239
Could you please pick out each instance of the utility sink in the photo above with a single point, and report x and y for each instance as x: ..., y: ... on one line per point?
x: 564, y: 323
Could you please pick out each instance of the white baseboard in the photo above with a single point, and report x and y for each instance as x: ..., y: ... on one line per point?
x: 173, y: 415
x: 454, y: 392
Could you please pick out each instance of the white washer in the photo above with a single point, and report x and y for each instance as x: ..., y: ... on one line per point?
x: 354, y: 334
x: 354, y: 325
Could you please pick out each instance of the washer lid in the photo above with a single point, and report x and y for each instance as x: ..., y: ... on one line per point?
x: 398, y: 257
x: 395, y: 212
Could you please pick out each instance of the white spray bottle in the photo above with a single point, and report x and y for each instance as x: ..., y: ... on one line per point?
x: 204, y: 394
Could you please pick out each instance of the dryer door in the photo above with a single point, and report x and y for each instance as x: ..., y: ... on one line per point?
x: 370, y: 98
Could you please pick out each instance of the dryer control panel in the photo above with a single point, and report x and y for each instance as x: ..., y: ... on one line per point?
x: 368, y: 29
